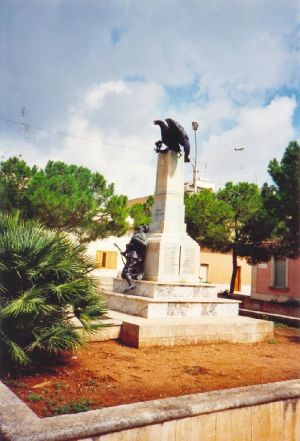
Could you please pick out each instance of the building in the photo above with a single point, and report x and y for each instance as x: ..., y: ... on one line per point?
x: 277, y: 280
x: 202, y: 184
x: 216, y: 268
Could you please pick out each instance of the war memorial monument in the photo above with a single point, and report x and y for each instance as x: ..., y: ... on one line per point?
x: 170, y: 306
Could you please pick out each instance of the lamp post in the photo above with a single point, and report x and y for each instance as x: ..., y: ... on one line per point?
x: 195, y: 126
x: 236, y: 149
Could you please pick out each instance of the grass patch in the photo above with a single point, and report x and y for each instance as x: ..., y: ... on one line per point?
x: 35, y: 397
x: 73, y: 407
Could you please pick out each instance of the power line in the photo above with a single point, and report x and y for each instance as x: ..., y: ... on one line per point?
x: 95, y: 141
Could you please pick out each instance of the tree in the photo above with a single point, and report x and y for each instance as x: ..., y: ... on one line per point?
x: 141, y: 213
x: 206, y: 219
x: 228, y: 221
x: 44, y: 277
x: 246, y: 224
x: 63, y: 196
x: 14, y: 177
x: 281, y: 200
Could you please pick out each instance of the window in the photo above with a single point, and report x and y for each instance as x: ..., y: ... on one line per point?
x: 204, y: 272
x: 280, y: 273
x: 106, y: 259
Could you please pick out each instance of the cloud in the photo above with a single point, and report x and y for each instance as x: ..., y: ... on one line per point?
x: 264, y: 132
x: 115, y: 115
x: 105, y: 70
x: 97, y: 94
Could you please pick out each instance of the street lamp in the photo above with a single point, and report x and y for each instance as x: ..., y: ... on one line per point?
x: 195, y: 126
x: 236, y: 149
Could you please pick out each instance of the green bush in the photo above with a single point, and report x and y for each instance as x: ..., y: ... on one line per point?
x: 43, y: 276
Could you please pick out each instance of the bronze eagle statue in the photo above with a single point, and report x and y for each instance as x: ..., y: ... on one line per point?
x: 173, y: 136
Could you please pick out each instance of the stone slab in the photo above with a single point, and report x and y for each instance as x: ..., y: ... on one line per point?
x: 111, y: 329
x: 170, y: 307
x: 107, y: 333
x: 267, y: 422
x: 291, y: 418
x: 142, y: 332
x: 234, y: 425
x: 146, y: 288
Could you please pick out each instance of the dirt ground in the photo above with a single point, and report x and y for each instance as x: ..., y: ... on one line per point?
x: 107, y: 373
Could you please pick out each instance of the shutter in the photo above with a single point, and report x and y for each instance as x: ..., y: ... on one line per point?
x: 99, y: 258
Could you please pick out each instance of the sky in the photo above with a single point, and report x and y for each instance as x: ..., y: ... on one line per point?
x: 83, y: 81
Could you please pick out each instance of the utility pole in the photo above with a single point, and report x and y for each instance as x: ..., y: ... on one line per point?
x: 195, y: 126
x: 24, y: 124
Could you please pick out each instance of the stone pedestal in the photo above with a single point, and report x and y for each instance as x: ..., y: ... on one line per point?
x: 172, y: 256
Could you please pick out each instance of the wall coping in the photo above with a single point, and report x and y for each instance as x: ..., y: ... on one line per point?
x: 19, y: 423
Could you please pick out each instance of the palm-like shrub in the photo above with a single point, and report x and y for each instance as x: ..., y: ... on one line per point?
x: 43, y: 276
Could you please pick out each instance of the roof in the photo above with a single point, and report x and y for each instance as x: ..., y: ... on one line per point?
x: 141, y: 200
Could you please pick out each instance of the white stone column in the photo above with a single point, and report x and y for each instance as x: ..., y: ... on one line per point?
x: 172, y: 256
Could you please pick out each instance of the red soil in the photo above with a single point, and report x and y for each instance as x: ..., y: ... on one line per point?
x: 108, y: 374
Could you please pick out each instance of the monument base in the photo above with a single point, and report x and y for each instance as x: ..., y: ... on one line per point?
x: 158, y: 314
x: 141, y: 332
x: 162, y: 300
x: 146, y: 288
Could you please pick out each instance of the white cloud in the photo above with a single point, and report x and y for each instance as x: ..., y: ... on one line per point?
x: 97, y: 94
x: 121, y: 111
x: 236, y: 55
x: 264, y: 132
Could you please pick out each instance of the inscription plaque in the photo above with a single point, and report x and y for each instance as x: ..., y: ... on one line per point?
x: 188, y: 256
x: 170, y: 259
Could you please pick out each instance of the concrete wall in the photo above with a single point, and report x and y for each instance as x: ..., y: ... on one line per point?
x: 282, y: 312
x: 268, y: 412
x: 262, y: 282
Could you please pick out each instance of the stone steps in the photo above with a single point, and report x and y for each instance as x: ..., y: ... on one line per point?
x: 172, y: 331
x: 111, y: 329
x: 146, y: 288
x: 105, y: 283
x: 163, y: 307
x: 144, y: 332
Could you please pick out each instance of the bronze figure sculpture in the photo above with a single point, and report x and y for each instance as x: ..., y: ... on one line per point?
x: 135, y: 256
x: 173, y: 136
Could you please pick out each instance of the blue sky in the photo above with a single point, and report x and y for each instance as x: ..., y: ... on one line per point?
x: 102, y: 71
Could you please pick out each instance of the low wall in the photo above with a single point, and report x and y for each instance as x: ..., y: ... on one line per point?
x: 267, y: 412
x: 281, y: 308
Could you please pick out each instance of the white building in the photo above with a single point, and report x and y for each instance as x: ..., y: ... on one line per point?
x: 201, y: 185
